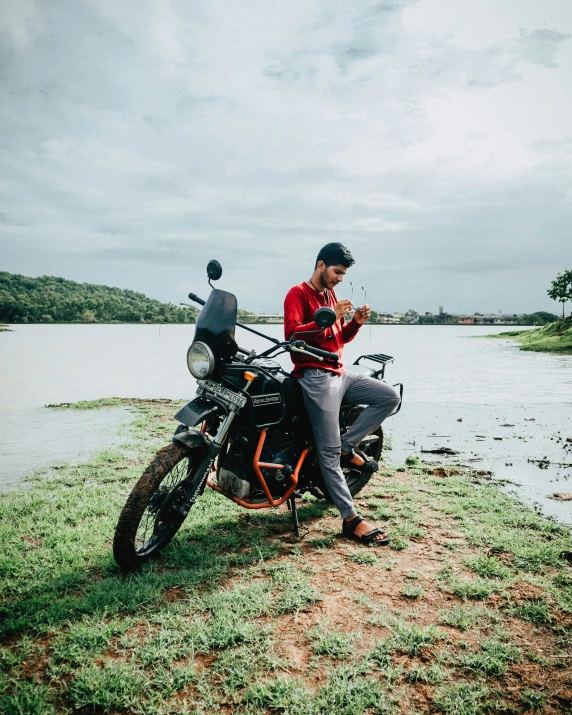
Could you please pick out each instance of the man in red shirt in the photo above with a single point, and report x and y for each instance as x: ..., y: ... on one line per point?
x: 326, y: 386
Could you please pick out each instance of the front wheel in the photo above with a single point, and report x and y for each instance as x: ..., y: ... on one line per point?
x: 150, y: 518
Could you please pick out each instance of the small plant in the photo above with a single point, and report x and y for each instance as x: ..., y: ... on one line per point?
x: 333, y: 643
x: 412, y: 461
x: 322, y: 542
x: 363, y: 557
x: 533, y: 699
x: 398, y: 543
x: 432, y: 675
x: 465, y: 617
x: 380, y: 655
x: 536, y: 611
x: 411, y: 639
x: 478, y: 589
x: 412, y: 576
x: 493, y: 658
x: 488, y: 567
x: 412, y: 591
x: 462, y: 699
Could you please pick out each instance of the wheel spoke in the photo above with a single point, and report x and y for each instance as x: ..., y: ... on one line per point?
x: 154, y: 524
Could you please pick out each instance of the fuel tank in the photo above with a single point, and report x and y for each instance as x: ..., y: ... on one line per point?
x: 267, y: 396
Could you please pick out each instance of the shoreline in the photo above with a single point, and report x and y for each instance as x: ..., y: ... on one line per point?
x: 470, y: 609
x: 8, y: 326
x: 551, y: 338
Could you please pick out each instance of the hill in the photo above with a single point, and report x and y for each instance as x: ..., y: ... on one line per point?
x: 56, y: 300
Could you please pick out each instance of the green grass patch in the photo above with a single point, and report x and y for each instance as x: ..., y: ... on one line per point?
x: 333, y: 643
x: 554, y: 337
x: 488, y: 567
x: 462, y: 699
x: 412, y: 592
x: 364, y: 557
x: 475, y: 589
x: 535, y: 611
x: 411, y: 638
x: 493, y: 658
x: 431, y: 674
x: 466, y: 617
x: 534, y: 700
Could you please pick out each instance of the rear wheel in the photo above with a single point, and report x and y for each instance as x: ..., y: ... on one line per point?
x: 150, y: 519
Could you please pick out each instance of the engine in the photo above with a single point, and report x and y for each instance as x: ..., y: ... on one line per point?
x: 236, y: 474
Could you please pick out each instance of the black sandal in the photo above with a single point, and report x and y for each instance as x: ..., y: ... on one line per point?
x: 349, y: 527
x: 369, y: 466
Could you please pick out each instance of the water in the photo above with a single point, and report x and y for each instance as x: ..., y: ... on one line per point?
x: 448, y: 375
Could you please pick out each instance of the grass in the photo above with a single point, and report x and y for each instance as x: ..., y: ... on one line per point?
x: 467, y: 617
x: 462, y: 699
x: 488, y: 567
x: 235, y: 616
x: 533, y: 699
x: 412, y: 591
x: 332, y: 643
x: 492, y: 659
x: 554, y: 337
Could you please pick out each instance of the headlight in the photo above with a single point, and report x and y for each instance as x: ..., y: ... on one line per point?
x: 200, y: 360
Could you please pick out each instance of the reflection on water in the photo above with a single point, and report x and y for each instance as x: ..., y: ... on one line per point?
x: 447, y: 375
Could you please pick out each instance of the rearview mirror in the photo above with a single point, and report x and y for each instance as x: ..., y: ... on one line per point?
x: 325, y: 317
x: 214, y: 270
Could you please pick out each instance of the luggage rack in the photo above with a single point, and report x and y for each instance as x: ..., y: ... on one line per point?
x: 377, y: 357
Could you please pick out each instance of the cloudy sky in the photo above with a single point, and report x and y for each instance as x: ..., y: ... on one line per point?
x: 140, y: 138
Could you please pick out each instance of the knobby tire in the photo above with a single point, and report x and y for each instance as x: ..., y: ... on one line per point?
x: 142, y: 515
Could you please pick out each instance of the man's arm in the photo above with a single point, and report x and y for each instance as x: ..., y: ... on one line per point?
x: 294, y: 314
x: 350, y: 330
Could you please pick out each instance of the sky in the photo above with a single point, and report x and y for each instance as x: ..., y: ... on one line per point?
x: 141, y: 138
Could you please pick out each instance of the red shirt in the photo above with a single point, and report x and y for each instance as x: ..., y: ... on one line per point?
x: 300, y: 304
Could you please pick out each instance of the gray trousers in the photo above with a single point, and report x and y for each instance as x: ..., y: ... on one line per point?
x: 324, y: 394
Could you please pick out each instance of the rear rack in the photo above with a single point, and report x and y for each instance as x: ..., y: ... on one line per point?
x: 377, y: 357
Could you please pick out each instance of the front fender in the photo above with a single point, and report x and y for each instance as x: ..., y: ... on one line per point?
x: 192, y: 438
x: 198, y: 410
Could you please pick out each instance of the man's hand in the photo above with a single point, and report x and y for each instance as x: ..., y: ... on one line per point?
x: 362, y: 314
x: 343, y: 308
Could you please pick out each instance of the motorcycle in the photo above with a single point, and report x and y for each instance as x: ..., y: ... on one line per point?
x: 246, y: 434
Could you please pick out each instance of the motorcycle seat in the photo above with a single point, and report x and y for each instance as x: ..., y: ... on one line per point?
x: 293, y: 397
x: 361, y: 369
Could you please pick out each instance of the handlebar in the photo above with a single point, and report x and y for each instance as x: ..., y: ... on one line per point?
x: 301, y: 345
x: 196, y: 299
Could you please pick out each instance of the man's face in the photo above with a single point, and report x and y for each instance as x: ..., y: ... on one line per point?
x: 330, y: 276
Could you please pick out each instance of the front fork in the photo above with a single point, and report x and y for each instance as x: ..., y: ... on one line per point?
x: 192, y: 489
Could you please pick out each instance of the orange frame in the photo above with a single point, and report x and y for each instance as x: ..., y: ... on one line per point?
x: 257, y: 465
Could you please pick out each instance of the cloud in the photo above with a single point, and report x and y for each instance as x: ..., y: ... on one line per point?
x: 541, y: 46
x: 159, y: 135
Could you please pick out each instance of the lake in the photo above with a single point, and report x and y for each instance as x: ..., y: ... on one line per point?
x: 499, y: 407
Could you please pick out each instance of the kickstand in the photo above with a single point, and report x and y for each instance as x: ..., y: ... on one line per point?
x: 292, y: 508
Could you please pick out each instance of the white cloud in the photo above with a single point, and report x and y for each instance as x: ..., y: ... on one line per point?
x: 142, y: 131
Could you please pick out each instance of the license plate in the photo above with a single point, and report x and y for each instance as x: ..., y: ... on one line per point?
x: 222, y: 392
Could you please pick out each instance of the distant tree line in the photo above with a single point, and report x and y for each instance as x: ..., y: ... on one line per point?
x: 57, y: 300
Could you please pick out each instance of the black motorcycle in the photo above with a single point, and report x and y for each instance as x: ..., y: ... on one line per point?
x: 246, y: 434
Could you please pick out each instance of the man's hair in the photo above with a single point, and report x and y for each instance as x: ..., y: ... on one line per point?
x: 335, y: 254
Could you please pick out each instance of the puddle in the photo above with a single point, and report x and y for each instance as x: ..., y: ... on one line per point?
x: 518, y: 443
x: 39, y: 438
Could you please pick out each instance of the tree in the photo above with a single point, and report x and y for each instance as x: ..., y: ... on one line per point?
x: 541, y: 317
x: 561, y: 289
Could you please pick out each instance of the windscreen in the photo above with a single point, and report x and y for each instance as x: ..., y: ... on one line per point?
x: 216, y: 323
